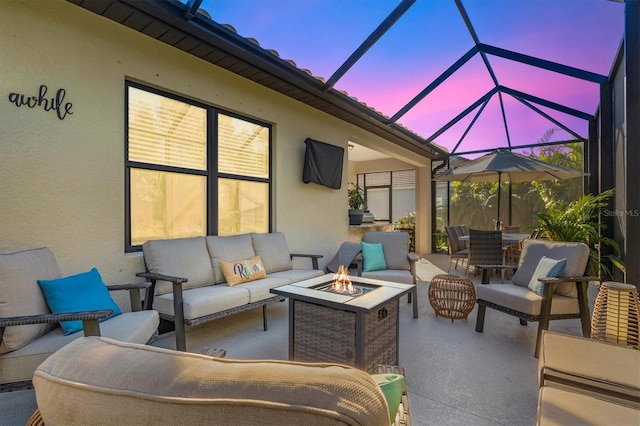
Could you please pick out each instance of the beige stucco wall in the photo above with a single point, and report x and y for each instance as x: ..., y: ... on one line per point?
x: 62, y: 181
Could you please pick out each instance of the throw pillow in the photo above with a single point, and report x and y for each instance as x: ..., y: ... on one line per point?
x: 78, y: 293
x: 391, y: 386
x: 373, y: 256
x: 547, y: 267
x: 242, y: 271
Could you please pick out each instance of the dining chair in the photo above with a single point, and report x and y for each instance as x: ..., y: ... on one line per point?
x: 457, y: 248
x: 485, y: 248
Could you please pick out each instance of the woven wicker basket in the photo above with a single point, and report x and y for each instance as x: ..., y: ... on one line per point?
x: 452, y: 296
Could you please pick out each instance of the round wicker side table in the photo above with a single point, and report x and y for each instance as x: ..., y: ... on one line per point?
x: 452, y: 296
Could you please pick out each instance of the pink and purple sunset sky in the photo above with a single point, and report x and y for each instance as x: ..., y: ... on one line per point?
x: 319, y: 35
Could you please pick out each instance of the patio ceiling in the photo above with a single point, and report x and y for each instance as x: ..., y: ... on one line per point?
x: 468, y: 76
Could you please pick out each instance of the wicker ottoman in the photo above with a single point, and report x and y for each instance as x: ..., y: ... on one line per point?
x: 452, y: 296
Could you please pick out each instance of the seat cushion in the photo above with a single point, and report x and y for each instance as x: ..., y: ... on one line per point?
x: 273, y: 250
x: 577, y: 255
x: 228, y: 249
x: 20, y: 294
x: 132, y: 327
x: 393, y: 275
x: 151, y: 385
x: 259, y: 290
x: 563, y: 407
x: 523, y: 300
x: 295, y: 275
x: 395, y: 246
x: 181, y: 257
x: 203, y: 301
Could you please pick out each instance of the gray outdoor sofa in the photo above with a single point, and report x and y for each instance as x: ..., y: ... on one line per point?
x: 188, y: 286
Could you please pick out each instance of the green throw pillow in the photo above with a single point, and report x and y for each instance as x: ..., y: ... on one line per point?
x: 547, y: 267
x: 78, y: 293
x: 391, y: 386
x: 373, y: 257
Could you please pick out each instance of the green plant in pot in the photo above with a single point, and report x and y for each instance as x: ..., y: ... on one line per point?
x: 579, y: 221
x: 357, y: 203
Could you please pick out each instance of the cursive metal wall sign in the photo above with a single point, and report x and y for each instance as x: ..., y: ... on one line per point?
x: 55, y: 103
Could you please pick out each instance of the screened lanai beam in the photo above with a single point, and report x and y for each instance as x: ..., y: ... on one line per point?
x: 546, y: 103
x: 542, y: 63
x: 476, y: 40
x: 548, y: 117
x: 460, y: 116
x: 192, y: 8
x: 435, y: 83
x: 369, y: 42
x: 531, y: 145
x: 504, y: 120
x: 470, y: 126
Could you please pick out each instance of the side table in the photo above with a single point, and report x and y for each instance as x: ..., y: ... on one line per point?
x: 404, y: 416
x: 452, y: 296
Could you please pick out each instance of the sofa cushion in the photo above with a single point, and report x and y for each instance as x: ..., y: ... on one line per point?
x: 259, y: 290
x: 547, y: 267
x: 395, y: 246
x: 273, y: 250
x: 242, y: 271
x: 295, y: 275
x: 577, y: 255
x: 203, y: 301
x: 522, y: 300
x: 181, y: 257
x: 151, y: 385
x: 20, y: 364
x: 228, y: 249
x: 20, y: 294
x: 78, y: 293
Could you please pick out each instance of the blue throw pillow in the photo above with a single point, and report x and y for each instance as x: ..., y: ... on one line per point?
x: 391, y: 386
x: 78, y: 293
x: 547, y: 267
x: 373, y: 257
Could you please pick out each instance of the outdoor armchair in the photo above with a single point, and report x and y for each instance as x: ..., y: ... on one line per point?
x: 400, y: 263
x: 30, y: 332
x: 554, y: 298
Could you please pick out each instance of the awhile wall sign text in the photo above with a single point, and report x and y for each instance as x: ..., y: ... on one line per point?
x: 55, y: 103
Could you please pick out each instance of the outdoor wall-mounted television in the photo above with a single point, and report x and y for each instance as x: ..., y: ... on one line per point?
x: 323, y: 164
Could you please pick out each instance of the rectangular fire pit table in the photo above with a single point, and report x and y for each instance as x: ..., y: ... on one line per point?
x: 361, y: 330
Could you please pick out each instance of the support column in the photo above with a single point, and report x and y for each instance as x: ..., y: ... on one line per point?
x: 632, y: 115
x: 424, y: 211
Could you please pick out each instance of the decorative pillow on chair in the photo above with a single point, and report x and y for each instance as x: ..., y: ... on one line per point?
x: 242, y: 271
x: 547, y: 267
x: 373, y: 256
x: 391, y: 386
x: 78, y: 293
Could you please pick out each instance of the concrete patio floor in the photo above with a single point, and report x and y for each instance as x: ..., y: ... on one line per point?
x: 455, y: 375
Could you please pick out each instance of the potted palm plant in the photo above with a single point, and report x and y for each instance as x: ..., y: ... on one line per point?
x: 579, y: 221
x: 357, y: 203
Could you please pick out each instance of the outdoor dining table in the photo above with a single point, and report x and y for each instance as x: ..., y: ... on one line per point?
x: 507, y: 238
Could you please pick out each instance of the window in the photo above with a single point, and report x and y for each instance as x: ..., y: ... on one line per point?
x: 192, y: 169
x: 389, y: 194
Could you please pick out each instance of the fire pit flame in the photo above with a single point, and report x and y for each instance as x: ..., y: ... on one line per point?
x: 341, y: 282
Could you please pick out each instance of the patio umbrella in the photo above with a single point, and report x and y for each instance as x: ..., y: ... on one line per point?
x: 504, y: 165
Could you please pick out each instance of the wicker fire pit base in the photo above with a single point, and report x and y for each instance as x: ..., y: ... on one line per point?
x: 452, y: 296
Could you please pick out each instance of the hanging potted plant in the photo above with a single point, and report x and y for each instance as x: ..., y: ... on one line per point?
x: 357, y: 203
